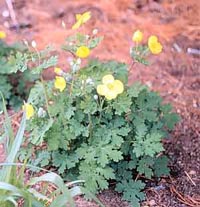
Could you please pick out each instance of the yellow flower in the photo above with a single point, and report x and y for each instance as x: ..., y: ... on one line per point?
x: 29, y: 110
x: 58, y: 71
x: 81, y: 19
x: 154, y: 45
x: 83, y: 52
x: 2, y: 35
x: 110, y: 87
x: 137, y: 36
x: 60, y: 83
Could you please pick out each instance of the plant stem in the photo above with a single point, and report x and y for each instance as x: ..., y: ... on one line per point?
x: 101, y: 108
x: 90, y: 127
x: 132, y: 64
x: 45, y: 94
x: 72, y: 85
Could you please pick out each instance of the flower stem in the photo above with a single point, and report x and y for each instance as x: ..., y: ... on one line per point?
x: 90, y: 127
x: 45, y: 95
x: 72, y: 85
x: 101, y: 108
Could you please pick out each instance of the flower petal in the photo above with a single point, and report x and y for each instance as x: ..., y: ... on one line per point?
x: 137, y: 36
x: 111, y: 95
x: 152, y: 39
x: 118, y: 86
x: 102, y: 90
x: 83, y: 52
x: 57, y: 70
x: 108, y: 79
x: 77, y: 24
x: 86, y: 16
x: 78, y: 16
x: 60, y: 83
x: 2, y: 35
x: 156, y: 48
x: 29, y: 110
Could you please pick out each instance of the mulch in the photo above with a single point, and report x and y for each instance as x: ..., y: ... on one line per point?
x: 175, y: 74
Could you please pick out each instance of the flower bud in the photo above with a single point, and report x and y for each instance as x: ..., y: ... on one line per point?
x: 95, y: 97
x: 78, y: 61
x: 89, y: 81
x: 33, y: 43
x: 95, y: 31
x: 41, y: 112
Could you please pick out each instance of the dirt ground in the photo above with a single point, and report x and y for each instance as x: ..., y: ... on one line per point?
x: 175, y: 73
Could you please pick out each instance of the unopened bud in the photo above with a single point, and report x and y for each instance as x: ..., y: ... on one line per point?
x: 33, y: 43
x: 95, y: 97
x: 89, y: 81
x: 95, y: 31
x: 63, y: 24
x: 25, y: 42
x: 41, y: 112
x: 78, y: 61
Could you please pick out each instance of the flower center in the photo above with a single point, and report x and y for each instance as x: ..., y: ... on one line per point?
x: 110, y: 86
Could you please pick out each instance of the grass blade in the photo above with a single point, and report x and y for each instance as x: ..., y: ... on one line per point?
x: 56, y: 180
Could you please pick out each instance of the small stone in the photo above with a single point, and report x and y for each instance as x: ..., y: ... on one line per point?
x: 194, y: 103
x: 5, y: 13
x: 192, y: 172
x: 6, y: 24
x: 63, y: 24
x: 152, y: 203
x: 149, y: 84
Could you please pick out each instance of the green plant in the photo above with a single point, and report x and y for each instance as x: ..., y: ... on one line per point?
x: 96, y: 126
x: 12, y: 178
x: 16, y: 77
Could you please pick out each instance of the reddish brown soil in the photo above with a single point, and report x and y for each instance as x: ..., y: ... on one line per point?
x: 175, y: 73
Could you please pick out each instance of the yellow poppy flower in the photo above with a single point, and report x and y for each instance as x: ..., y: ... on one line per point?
x: 58, y: 71
x: 60, y: 83
x: 29, y: 110
x: 2, y: 35
x: 81, y: 19
x: 137, y: 36
x: 83, y: 52
x: 110, y: 87
x: 154, y: 45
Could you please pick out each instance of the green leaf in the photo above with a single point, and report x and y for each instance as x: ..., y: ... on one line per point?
x: 160, y: 166
x: 145, y: 166
x: 94, y: 42
x: 15, y: 146
x: 63, y: 161
x: 42, y: 159
x: 131, y: 191
x: 149, y: 146
x: 171, y: 119
x: 52, y: 61
x: 56, y: 180
x: 95, y: 176
x: 135, y: 89
x: 38, y: 133
x: 122, y: 104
